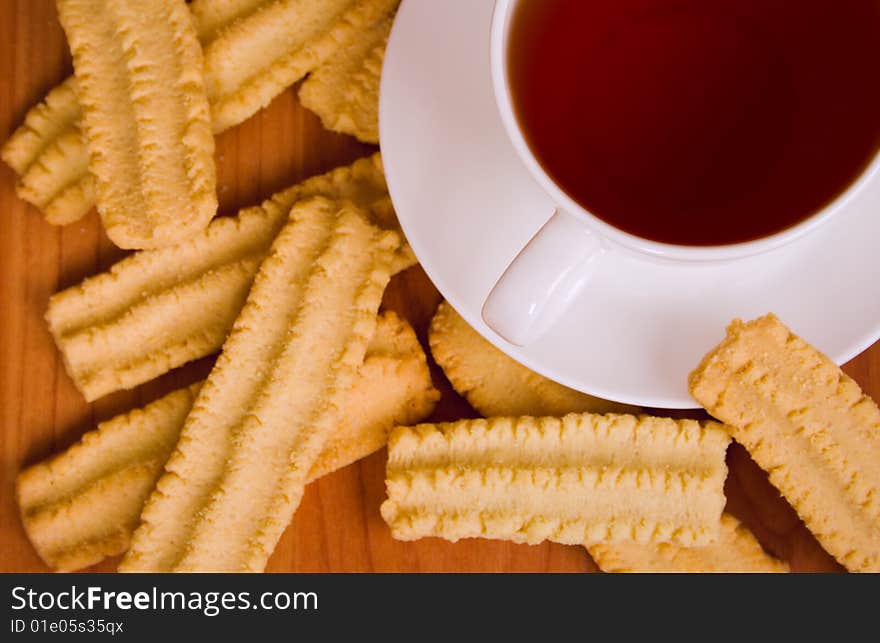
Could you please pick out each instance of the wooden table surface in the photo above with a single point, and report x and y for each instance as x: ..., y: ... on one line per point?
x: 337, y: 526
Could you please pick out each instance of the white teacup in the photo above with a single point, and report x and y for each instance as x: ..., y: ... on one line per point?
x: 556, y: 265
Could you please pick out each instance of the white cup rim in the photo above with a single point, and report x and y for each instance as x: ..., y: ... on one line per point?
x: 504, y: 101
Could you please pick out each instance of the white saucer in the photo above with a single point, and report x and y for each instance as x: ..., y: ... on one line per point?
x: 468, y: 206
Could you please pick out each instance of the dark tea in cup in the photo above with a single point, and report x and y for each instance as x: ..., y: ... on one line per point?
x: 699, y: 122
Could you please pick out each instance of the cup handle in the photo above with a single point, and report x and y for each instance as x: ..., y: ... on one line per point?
x: 543, y: 280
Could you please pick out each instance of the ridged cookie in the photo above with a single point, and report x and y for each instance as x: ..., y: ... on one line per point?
x: 808, y: 425
x: 145, y: 118
x: 79, y: 506
x: 581, y: 479
x: 273, y: 399
x: 159, y: 309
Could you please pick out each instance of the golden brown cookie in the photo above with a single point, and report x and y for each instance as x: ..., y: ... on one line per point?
x: 808, y: 425
x: 580, y: 479
x: 145, y: 118
x: 159, y: 309
x: 273, y: 399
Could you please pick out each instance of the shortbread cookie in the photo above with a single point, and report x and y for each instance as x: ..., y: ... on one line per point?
x: 581, y: 479
x: 159, y: 309
x: 80, y: 506
x: 145, y: 118
x: 808, y: 425
x: 273, y: 399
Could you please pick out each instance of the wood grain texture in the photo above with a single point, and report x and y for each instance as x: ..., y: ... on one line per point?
x: 337, y: 526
